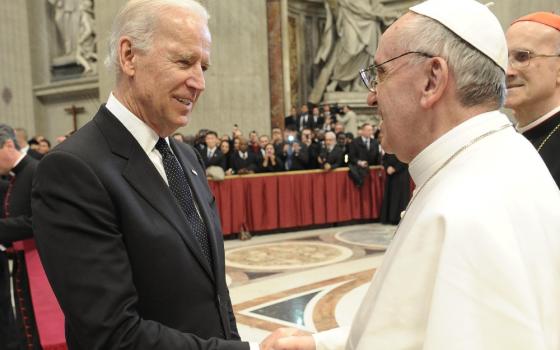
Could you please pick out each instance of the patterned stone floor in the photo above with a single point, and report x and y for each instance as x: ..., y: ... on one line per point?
x: 313, y: 280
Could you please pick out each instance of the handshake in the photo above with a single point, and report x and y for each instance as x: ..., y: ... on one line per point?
x: 288, y: 339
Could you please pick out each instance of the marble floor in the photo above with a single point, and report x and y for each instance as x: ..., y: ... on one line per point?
x: 313, y: 280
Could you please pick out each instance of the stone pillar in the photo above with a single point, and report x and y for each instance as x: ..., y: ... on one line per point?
x: 275, y: 59
x: 16, y: 96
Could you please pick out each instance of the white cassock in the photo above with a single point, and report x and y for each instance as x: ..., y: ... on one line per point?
x: 475, y: 263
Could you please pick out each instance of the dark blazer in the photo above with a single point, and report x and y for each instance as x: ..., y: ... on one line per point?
x: 335, y: 157
x: 358, y: 151
x: 16, y: 227
x: 122, y: 261
x: 298, y: 160
x: 238, y: 163
x: 218, y: 158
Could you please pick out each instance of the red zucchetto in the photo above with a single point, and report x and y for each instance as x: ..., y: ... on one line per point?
x: 547, y: 18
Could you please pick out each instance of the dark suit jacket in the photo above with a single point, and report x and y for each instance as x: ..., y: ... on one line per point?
x: 218, y: 158
x: 335, y: 157
x: 16, y: 227
x: 122, y: 261
x: 238, y: 163
x: 358, y: 151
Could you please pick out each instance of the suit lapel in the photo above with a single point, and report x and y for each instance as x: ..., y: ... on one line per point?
x: 145, y: 179
x: 197, y: 182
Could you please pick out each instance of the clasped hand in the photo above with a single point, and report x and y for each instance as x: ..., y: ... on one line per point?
x: 288, y: 339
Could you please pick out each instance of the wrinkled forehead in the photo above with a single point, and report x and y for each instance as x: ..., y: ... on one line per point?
x: 392, y: 39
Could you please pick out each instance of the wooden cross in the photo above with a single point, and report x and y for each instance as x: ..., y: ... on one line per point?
x: 74, y: 111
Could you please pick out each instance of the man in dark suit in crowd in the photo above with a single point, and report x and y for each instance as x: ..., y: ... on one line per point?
x: 125, y: 223
x: 317, y: 121
x: 211, y: 154
x: 304, y: 118
x: 363, y: 152
x: 244, y: 160
x: 15, y: 225
x: 291, y: 119
x: 331, y: 156
x: 293, y: 153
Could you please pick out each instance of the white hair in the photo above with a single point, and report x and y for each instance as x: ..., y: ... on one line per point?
x: 138, y: 20
x: 479, y: 79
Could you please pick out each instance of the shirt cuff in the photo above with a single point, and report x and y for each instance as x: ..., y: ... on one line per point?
x: 333, y: 339
x: 254, y: 346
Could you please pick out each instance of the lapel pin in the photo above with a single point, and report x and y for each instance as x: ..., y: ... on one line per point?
x: 194, y: 172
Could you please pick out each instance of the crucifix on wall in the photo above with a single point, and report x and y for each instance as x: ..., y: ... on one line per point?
x: 74, y: 111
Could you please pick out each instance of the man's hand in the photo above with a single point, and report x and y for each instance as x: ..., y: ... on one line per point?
x: 288, y: 339
x: 391, y: 170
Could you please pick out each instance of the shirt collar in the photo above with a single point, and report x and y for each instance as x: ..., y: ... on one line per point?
x: 144, y: 135
x: 539, y: 121
x: 432, y: 157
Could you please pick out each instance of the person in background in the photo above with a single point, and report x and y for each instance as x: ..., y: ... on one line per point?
x: 270, y: 162
x: 474, y: 263
x: 533, y: 81
x: 124, y: 220
x: 331, y: 155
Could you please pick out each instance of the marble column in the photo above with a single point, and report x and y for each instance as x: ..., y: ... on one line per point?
x: 273, y: 9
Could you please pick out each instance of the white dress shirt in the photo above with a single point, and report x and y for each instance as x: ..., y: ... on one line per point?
x: 142, y: 133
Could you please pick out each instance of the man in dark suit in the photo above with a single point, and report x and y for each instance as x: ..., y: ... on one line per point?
x: 364, y: 152
x: 304, y: 119
x: 15, y: 225
x: 317, y: 120
x: 125, y: 223
x: 211, y: 154
x: 331, y: 155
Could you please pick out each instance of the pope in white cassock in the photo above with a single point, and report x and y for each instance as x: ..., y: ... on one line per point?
x: 475, y: 262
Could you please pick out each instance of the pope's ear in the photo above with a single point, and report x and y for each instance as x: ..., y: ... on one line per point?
x: 436, y: 80
x: 127, y: 56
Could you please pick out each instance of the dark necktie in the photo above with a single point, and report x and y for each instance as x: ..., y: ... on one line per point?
x: 179, y: 186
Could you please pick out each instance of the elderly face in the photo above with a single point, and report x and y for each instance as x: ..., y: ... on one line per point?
x: 167, y: 80
x: 534, y: 89
x: 7, y: 157
x: 330, y: 139
x: 398, y: 93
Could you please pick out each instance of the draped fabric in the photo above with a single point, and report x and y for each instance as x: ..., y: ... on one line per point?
x: 296, y: 199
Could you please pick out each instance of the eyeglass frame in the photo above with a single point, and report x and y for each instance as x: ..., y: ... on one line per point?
x: 365, y: 71
x: 522, y: 64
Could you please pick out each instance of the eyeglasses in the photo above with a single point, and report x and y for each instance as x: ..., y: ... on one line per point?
x: 370, y: 74
x: 522, y: 58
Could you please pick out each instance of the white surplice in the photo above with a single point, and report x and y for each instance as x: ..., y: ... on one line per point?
x: 475, y: 263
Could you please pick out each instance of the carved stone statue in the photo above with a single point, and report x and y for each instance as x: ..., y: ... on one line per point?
x: 74, y: 22
x: 349, y: 41
x: 87, y: 50
x: 65, y: 19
